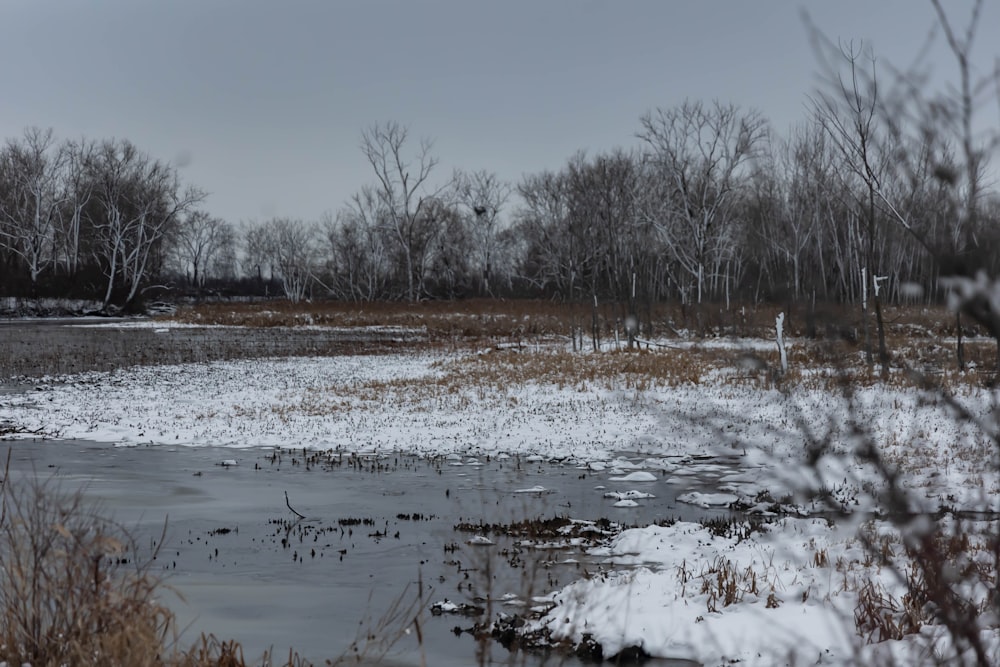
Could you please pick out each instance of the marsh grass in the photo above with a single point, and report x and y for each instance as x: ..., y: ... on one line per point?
x: 74, y: 588
x: 825, y: 348
x: 506, y: 318
x: 726, y: 583
x: 947, y: 573
x: 77, y: 589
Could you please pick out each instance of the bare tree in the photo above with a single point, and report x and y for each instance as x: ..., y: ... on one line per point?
x: 140, y: 199
x: 945, y: 577
x: 699, y: 150
x: 288, y: 247
x: 851, y: 119
x: 453, y: 251
x: 224, y: 262
x: 78, y: 187
x: 484, y: 196
x: 255, y: 257
x: 797, y: 191
x: 199, y: 240
x: 30, y: 173
x: 553, y: 257
x: 359, y: 260
x: 403, y: 192
x: 944, y: 120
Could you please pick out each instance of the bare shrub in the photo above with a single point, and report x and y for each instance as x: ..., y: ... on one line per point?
x: 73, y: 588
x: 76, y: 589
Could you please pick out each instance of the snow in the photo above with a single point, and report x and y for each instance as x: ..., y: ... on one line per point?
x: 656, y: 588
x: 634, y: 494
x: 640, y: 476
x: 707, y: 499
x: 661, y: 606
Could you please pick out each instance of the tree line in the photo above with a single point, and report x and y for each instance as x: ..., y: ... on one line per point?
x: 859, y: 202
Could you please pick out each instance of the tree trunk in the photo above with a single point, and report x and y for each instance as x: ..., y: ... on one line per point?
x: 959, y: 349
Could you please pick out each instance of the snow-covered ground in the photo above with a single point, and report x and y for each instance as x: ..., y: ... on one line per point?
x: 793, y: 587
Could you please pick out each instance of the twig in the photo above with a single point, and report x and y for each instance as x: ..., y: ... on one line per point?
x: 301, y: 516
x: 4, y: 483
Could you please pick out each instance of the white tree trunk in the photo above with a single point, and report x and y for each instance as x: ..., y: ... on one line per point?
x: 779, y: 325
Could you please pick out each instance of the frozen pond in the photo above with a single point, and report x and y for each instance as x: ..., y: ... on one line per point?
x: 375, y: 528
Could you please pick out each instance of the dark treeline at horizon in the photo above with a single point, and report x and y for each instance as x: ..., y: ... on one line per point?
x: 712, y: 205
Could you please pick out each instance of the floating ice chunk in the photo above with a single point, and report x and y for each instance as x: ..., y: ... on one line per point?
x: 626, y: 503
x: 597, y: 466
x: 480, y: 541
x: 707, y: 499
x: 445, y: 606
x: 228, y: 462
x: 659, y: 464
x: 534, y: 489
x: 534, y: 458
x: 625, y: 464
x: 638, y: 476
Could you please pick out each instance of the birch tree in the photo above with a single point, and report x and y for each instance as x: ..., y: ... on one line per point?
x: 30, y: 196
x: 358, y: 257
x: 403, y: 189
x: 139, y: 199
x: 77, y: 189
x: 794, y: 197
x: 288, y: 247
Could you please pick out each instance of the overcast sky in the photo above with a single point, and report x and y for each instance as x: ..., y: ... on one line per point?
x: 264, y: 101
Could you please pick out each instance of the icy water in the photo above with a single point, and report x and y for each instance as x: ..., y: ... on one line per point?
x: 52, y: 347
x: 376, y: 530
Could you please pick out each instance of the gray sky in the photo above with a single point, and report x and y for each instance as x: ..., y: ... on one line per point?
x: 264, y: 101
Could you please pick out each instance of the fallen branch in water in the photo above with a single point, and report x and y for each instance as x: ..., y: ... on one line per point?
x: 301, y: 516
x: 9, y: 428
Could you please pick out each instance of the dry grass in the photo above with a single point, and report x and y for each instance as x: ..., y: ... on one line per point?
x: 826, y: 349
x: 725, y: 583
x: 527, y: 317
x: 949, y: 575
x: 73, y: 587
x: 467, y: 380
x: 497, y: 373
x: 76, y: 589
x: 442, y: 320
x: 614, y: 370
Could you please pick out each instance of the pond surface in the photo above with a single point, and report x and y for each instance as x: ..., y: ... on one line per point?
x: 376, y: 530
x: 33, y: 348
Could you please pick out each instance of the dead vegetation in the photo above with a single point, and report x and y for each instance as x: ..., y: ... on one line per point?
x: 825, y: 340
x: 77, y: 589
